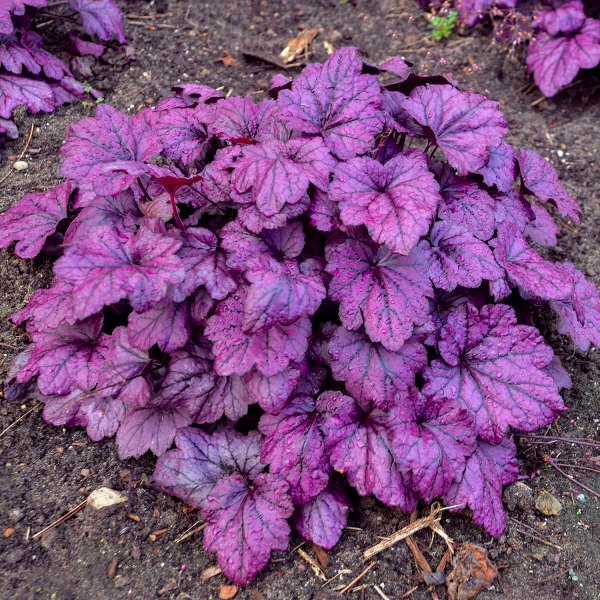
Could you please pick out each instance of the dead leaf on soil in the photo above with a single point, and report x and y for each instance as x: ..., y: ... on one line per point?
x: 473, y: 571
x: 228, y: 60
x: 226, y: 592
x: 298, y: 46
x: 210, y: 572
x: 104, y: 497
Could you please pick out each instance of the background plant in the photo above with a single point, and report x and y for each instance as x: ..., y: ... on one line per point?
x: 562, y: 35
x: 33, y: 76
x: 334, y: 281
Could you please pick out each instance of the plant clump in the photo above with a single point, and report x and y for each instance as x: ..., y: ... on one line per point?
x: 328, y: 288
x: 34, y: 77
x: 562, y: 35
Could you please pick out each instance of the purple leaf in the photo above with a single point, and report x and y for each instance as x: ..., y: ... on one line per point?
x: 495, y: 369
x: 152, y: 427
x: 271, y: 393
x: 555, y: 61
x: 102, y: 415
x: 371, y: 372
x: 466, y: 204
x: 246, y: 522
x: 229, y: 396
x: 500, y: 169
x: 204, y: 264
x: 138, y: 267
x: 336, y: 101
x: 459, y: 258
x: 279, y: 293
x: 541, y: 179
x: 361, y: 443
x: 110, y: 139
x: 48, y: 307
x: 434, y: 441
x: 463, y: 124
x: 200, y: 460
x: 33, y: 218
x: 183, y: 133
x: 294, y: 448
x: 323, y: 519
x: 237, y: 351
x: 66, y: 357
x: 101, y: 18
x: 383, y: 291
x: 527, y: 269
x: 253, y: 220
x: 579, y: 315
x: 324, y: 212
x: 35, y: 95
x: 489, y: 468
x: 542, y: 229
x: 395, y: 201
x: 240, y: 120
x: 120, y: 212
x: 166, y: 324
x: 563, y: 19
x: 278, y: 173
x: 242, y: 245
x: 64, y: 411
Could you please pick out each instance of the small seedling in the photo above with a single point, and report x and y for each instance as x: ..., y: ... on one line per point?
x: 443, y: 25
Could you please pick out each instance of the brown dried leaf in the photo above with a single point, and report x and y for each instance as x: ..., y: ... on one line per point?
x: 299, y: 45
x: 228, y: 60
x: 473, y: 571
x: 210, y: 572
x: 321, y: 555
x: 226, y: 592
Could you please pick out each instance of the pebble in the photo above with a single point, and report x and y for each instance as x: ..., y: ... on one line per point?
x: 20, y: 165
x: 547, y: 504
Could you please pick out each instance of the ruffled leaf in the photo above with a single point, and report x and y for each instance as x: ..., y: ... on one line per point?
x: 494, y: 368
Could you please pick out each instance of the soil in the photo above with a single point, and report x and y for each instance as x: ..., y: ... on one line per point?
x: 44, y: 471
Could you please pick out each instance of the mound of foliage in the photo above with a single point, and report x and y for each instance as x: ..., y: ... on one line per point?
x: 279, y: 299
x: 31, y: 75
x: 563, y: 36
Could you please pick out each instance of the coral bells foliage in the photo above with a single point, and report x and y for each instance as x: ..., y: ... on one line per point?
x: 285, y: 298
x: 563, y: 36
x: 32, y: 76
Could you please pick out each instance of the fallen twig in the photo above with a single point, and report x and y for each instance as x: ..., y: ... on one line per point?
x: 60, y: 520
x: 357, y: 578
x: 23, y: 416
x: 573, y: 480
x: 314, y: 565
x: 190, y: 531
x: 21, y: 154
x: 549, y: 438
x: 432, y: 521
x: 532, y: 533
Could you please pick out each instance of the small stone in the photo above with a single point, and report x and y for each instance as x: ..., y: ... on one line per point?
x: 518, y: 495
x: 20, y: 165
x: 547, y: 504
x: 15, y: 514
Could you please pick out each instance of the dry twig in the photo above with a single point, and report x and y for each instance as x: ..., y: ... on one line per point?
x: 357, y: 578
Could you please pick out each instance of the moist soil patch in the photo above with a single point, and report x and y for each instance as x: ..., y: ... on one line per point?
x: 133, y: 551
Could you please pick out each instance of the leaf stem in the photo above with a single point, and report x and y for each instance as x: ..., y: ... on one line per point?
x: 550, y: 438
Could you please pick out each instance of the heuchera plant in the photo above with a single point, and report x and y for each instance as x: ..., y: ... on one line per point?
x: 31, y: 75
x: 563, y: 37
x: 284, y: 298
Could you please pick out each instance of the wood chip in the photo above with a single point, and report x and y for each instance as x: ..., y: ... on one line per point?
x: 8, y: 532
x: 226, y: 592
x: 321, y: 555
x: 156, y: 534
x: 134, y: 517
x: 112, y: 568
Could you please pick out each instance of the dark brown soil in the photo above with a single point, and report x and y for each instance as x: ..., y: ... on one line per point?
x: 44, y: 471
